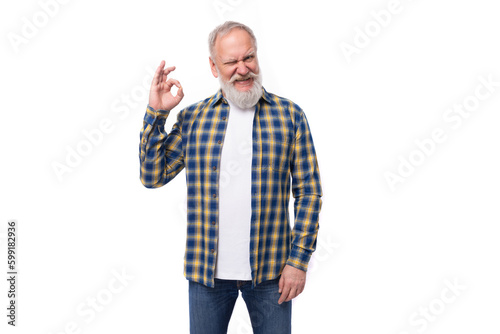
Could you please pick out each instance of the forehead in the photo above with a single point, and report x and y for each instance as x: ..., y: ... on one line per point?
x: 236, y: 43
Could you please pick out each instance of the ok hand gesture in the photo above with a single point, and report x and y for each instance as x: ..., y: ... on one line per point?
x: 160, y: 96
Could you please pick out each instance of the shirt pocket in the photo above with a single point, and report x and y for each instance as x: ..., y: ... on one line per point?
x: 279, y: 153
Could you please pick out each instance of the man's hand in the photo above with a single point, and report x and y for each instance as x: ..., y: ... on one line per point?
x: 160, y: 96
x: 291, y: 283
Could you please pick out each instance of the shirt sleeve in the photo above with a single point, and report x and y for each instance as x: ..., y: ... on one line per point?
x: 307, y: 192
x: 161, y: 155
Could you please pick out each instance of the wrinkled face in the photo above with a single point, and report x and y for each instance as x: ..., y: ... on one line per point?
x: 236, y: 60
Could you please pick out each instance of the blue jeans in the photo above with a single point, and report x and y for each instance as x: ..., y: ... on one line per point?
x: 210, y: 308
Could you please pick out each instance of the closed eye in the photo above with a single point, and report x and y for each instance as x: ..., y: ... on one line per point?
x: 247, y: 59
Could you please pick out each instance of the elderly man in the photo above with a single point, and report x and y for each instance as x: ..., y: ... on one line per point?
x: 242, y: 149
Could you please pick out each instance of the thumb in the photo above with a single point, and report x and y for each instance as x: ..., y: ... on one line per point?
x: 180, y: 92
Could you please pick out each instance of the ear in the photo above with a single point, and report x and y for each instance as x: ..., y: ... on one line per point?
x: 213, y: 68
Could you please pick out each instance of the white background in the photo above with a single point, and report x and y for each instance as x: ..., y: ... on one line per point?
x: 384, y: 256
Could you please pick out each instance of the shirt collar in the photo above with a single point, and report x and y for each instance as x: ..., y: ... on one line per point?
x: 219, y: 97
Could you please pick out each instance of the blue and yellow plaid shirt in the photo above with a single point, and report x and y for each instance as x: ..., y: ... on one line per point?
x: 282, y: 153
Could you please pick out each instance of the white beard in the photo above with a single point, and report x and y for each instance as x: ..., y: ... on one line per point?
x: 243, y: 100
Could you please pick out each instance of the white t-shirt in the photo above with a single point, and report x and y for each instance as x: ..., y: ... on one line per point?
x: 235, y: 197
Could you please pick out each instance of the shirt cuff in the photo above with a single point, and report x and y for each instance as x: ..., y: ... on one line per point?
x: 152, y: 114
x: 299, y: 258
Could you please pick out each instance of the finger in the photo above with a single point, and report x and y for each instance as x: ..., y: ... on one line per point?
x: 168, y: 70
x: 179, y: 96
x: 180, y: 93
x: 281, y: 284
x: 158, y: 73
x: 293, y: 293
x: 171, y: 82
x: 300, y: 289
x: 164, y: 73
x: 284, y: 294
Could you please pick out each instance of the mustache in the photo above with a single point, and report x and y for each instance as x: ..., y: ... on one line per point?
x: 249, y: 75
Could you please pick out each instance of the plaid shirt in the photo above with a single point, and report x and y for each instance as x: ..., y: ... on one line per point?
x: 282, y: 152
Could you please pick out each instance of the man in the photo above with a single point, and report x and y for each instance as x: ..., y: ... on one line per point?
x: 240, y: 147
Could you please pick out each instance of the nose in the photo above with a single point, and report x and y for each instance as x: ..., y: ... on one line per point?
x: 241, y: 68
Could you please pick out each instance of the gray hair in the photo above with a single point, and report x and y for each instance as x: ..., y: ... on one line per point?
x: 224, y: 29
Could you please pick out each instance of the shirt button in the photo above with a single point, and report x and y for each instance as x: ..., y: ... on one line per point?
x: 213, y: 223
x: 219, y: 142
x: 214, y: 168
x: 224, y: 118
x: 212, y: 251
x: 214, y: 195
